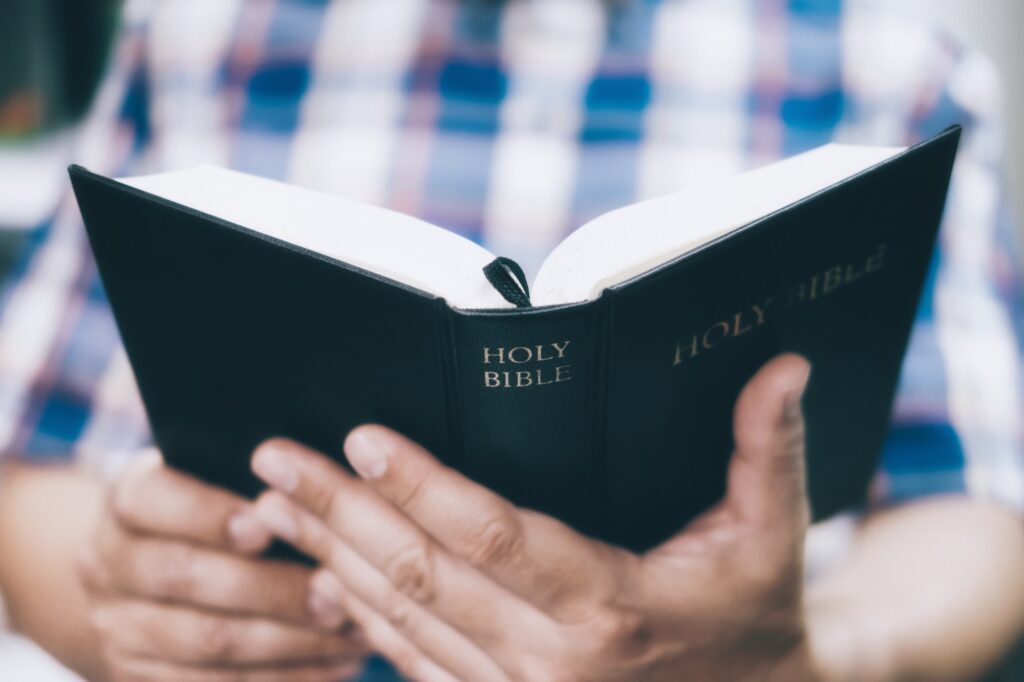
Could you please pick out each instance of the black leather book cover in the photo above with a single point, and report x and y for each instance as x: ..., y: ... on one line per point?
x: 613, y: 414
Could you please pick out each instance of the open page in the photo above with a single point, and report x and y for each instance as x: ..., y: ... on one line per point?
x: 388, y: 243
x: 620, y: 245
x: 609, y: 250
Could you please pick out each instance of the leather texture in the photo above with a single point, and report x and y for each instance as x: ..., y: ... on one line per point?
x: 235, y: 337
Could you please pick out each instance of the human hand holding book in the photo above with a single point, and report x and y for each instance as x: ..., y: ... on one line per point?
x: 251, y: 309
x: 238, y: 334
x: 447, y: 579
x: 177, y: 589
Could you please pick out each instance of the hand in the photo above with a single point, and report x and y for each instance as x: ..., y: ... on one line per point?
x: 451, y: 581
x: 177, y: 592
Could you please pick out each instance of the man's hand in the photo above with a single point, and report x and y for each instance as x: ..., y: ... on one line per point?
x: 177, y: 592
x: 449, y: 580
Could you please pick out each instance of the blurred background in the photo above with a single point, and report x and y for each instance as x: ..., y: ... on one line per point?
x: 994, y: 27
x: 53, y: 53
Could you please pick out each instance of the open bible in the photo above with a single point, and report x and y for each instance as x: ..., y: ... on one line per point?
x: 601, y: 392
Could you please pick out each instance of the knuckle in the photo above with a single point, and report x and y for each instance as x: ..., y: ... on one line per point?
x: 215, y: 639
x: 410, y: 497
x: 130, y: 493
x: 175, y: 574
x: 410, y: 572
x: 495, y: 542
x: 398, y: 612
x: 89, y: 570
x: 788, y: 461
x: 618, y: 633
x: 125, y: 500
x: 101, y: 621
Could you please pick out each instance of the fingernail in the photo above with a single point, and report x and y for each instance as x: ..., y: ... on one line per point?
x: 278, y: 519
x: 247, y: 533
x: 272, y: 466
x: 368, y: 451
x: 325, y: 600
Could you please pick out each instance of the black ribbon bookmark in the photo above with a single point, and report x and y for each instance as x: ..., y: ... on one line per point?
x: 509, y: 280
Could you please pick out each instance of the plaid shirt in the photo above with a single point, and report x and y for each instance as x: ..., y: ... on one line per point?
x: 511, y: 123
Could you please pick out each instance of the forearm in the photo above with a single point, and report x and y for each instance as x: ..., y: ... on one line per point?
x: 46, y: 514
x: 932, y: 591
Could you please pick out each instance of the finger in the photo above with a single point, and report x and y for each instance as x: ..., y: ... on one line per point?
x: 533, y: 555
x: 767, y: 480
x: 434, y: 638
x: 149, y: 670
x: 438, y: 603
x: 386, y: 538
x: 183, y: 635
x: 389, y: 643
x: 536, y: 557
x: 154, y: 498
x: 186, y: 574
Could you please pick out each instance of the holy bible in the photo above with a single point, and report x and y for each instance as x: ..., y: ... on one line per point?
x: 601, y: 394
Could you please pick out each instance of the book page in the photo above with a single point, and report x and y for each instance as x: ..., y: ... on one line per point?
x: 627, y: 242
x: 388, y: 243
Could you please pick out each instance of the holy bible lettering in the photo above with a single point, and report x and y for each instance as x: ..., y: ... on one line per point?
x: 401, y: 323
x: 737, y: 325
x: 836, y: 277
x: 812, y: 289
x: 527, y: 366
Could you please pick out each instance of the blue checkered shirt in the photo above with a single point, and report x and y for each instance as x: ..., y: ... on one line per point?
x: 511, y: 123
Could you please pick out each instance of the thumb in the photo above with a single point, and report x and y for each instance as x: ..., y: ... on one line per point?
x: 767, y: 480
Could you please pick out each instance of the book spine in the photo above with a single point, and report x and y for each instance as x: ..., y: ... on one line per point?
x: 525, y: 385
